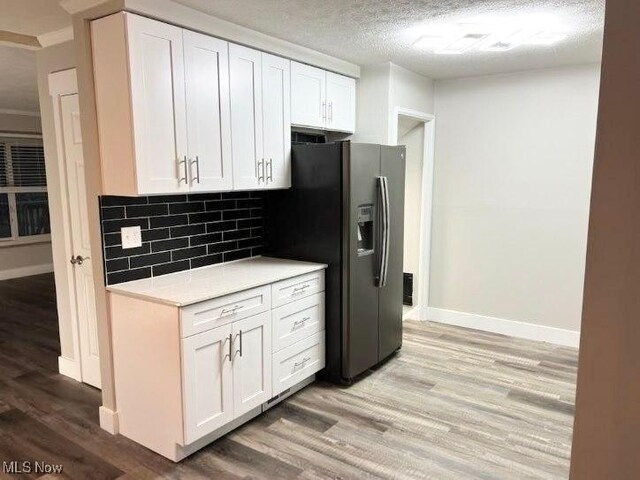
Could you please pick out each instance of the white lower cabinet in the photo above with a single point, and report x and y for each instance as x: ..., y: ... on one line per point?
x: 251, y: 363
x: 186, y: 375
x: 295, y: 363
x: 226, y: 373
x: 208, y: 382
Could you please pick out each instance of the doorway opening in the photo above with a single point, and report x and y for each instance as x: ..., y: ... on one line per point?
x: 416, y: 130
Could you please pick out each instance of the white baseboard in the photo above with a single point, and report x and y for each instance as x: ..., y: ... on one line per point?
x: 412, y: 313
x: 69, y: 368
x: 108, y: 420
x: 513, y: 328
x: 26, y: 271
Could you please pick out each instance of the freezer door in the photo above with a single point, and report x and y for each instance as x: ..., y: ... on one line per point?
x: 390, y: 292
x: 360, y: 337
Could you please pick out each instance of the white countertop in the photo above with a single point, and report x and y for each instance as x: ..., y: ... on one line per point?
x: 200, y: 284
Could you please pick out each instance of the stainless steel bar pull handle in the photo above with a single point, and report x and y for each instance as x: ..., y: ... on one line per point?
x: 197, y: 163
x: 324, y: 111
x: 261, y: 170
x: 240, y: 343
x: 383, y: 196
x: 270, y: 177
x: 230, y: 346
x: 183, y: 162
x: 330, y: 112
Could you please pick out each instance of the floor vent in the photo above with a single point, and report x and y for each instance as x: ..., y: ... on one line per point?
x: 407, y: 290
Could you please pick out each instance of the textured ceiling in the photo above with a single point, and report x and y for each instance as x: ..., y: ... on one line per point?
x: 32, y: 17
x: 371, y: 31
x: 18, y: 82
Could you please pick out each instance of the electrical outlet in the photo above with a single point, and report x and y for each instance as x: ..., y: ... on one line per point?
x: 131, y: 237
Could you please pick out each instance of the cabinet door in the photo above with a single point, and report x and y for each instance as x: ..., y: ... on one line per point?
x: 208, y: 382
x: 341, y: 103
x: 308, y: 96
x: 251, y: 362
x: 156, y: 66
x: 276, y: 114
x: 206, y: 62
x: 245, y: 79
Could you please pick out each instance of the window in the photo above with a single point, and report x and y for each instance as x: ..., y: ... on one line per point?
x: 24, y: 210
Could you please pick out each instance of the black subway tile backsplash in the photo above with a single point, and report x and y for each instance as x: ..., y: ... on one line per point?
x: 154, y: 210
x: 180, y: 232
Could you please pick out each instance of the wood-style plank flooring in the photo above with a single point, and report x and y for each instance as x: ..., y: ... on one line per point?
x: 453, y: 404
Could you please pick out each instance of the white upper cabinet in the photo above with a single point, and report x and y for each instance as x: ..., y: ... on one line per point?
x: 321, y: 99
x: 260, y: 119
x: 245, y: 78
x: 206, y: 62
x: 341, y: 103
x: 308, y: 96
x: 158, y: 104
x: 162, y: 102
x: 140, y: 102
x: 276, y: 114
x: 179, y: 111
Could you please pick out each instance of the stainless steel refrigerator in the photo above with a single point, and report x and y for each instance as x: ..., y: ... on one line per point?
x: 346, y: 209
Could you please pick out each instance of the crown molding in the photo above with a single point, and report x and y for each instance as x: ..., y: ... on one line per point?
x: 19, y: 40
x: 74, y: 6
x: 57, y: 36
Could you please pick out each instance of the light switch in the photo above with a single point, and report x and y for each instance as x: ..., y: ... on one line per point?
x: 131, y: 237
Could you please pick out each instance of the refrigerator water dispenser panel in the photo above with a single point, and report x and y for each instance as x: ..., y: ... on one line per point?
x: 365, y: 230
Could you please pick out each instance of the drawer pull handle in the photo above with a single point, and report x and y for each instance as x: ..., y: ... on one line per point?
x: 231, y: 311
x: 301, y: 363
x: 300, y: 322
x: 301, y: 289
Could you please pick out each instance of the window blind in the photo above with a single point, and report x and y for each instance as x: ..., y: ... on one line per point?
x: 3, y: 166
x: 27, y: 164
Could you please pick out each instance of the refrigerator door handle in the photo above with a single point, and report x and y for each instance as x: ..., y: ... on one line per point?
x: 383, y: 191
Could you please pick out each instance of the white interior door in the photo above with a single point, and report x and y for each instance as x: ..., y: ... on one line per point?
x: 245, y: 81
x: 308, y: 96
x: 83, y: 274
x: 208, y: 382
x: 156, y: 59
x: 276, y: 114
x: 251, y: 362
x: 341, y: 103
x: 206, y: 61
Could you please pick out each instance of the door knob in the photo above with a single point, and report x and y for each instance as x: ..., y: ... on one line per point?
x: 78, y: 259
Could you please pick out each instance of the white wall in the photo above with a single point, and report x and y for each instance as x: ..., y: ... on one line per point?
x: 382, y: 89
x: 514, y: 157
x: 48, y: 60
x: 410, y: 90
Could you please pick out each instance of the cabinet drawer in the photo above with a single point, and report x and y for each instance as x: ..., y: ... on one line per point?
x: 297, y: 320
x: 292, y: 289
x: 297, y: 362
x: 220, y: 311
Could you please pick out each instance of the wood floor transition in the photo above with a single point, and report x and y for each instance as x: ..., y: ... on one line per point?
x: 452, y: 404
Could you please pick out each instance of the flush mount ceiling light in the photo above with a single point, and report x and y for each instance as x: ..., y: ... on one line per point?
x: 546, y: 38
x: 463, y: 43
x: 490, y: 35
